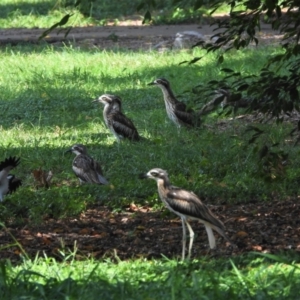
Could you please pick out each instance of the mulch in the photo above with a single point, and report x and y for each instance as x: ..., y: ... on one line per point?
x: 140, y: 232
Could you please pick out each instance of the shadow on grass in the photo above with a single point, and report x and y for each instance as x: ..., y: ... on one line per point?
x: 65, y: 98
x: 26, y: 8
x: 50, y: 112
x: 100, y: 9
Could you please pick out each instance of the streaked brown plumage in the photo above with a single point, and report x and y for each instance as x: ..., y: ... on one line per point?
x: 85, y: 167
x: 186, y: 205
x: 176, y: 110
x: 8, y: 182
x: 223, y: 97
x: 119, y: 125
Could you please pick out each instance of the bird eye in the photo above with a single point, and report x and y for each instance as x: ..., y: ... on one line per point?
x: 155, y: 174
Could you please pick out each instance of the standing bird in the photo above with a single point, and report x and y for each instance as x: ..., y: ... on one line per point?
x: 187, y: 206
x: 176, y: 110
x: 119, y: 125
x: 85, y: 167
x: 8, y: 182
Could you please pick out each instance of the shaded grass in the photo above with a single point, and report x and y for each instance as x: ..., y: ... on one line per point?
x: 43, y: 14
x: 45, y: 104
x: 247, y: 277
x: 46, y: 98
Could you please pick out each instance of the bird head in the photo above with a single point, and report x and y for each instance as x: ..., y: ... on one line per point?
x: 108, y: 99
x: 156, y: 174
x: 160, y: 82
x: 77, y: 149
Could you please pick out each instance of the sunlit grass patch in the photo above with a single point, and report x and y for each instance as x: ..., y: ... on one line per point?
x: 247, y: 276
x: 46, y: 100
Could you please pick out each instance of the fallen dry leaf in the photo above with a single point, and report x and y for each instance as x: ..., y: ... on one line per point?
x: 42, y: 178
x: 241, y: 234
x: 140, y: 227
x: 257, y: 248
x: 84, y: 231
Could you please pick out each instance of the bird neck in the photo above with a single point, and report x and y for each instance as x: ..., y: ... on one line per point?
x: 168, y: 94
x: 106, y: 111
x: 163, y: 182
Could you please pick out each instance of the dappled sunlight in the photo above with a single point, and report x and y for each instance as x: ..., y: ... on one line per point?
x: 61, y: 238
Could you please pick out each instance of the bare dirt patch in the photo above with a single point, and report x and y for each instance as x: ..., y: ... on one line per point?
x: 135, y: 37
x: 266, y: 227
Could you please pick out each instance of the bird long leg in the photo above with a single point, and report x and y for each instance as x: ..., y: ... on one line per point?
x: 183, y: 238
x: 211, y: 237
x: 222, y: 233
x: 191, y: 238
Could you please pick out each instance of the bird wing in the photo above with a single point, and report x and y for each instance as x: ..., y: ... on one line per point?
x: 6, y: 165
x: 14, y: 183
x: 188, y: 118
x: 124, y: 126
x: 86, y: 169
x: 187, y: 203
x: 99, y: 172
x: 184, y: 117
x: 180, y: 106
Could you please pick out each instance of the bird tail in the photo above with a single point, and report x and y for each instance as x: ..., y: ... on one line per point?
x: 222, y: 233
x: 9, y: 163
x: 102, y: 180
x: 211, y: 237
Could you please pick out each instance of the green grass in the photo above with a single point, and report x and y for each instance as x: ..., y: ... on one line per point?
x: 46, y: 101
x: 46, y: 106
x: 246, y: 277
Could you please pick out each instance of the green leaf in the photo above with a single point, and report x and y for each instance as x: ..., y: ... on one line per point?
x: 194, y: 60
x: 140, y: 6
x: 147, y: 17
x: 62, y: 22
x: 227, y: 70
x: 243, y: 87
x: 78, y: 2
x: 263, y: 151
x: 250, y: 127
x: 198, y: 4
x: 183, y: 62
x: 220, y: 59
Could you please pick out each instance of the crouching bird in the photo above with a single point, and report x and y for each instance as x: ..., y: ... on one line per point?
x: 85, y: 167
x: 119, y: 125
x: 187, y: 206
x: 176, y: 110
x: 8, y: 182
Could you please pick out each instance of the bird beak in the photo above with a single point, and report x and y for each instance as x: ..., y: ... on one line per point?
x: 69, y: 150
x: 96, y: 100
x: 152, y: 83
x: 143, y: 176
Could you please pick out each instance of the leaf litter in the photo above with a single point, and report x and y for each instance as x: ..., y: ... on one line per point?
x: 267, y: 227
